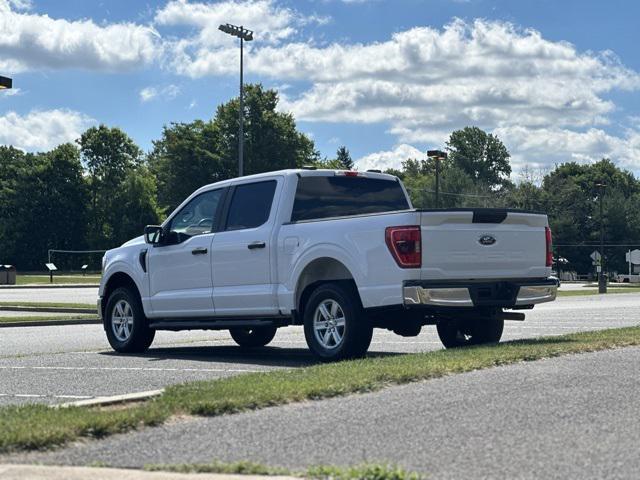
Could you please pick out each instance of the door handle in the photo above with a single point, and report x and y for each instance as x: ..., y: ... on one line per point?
x: 199, y: 251
x: 253, y: 245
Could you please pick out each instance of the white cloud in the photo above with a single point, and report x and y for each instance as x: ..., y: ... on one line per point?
x: 42, y: 129
x: 547, y: 146
x: 211, y: 52
x: 31, y: 41
x: 150, y: 93
x: 389, y: 159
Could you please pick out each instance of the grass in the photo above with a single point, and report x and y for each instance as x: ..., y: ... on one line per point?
x: 31, y: 427
x: 57, y: 279
x: 322, y: 472
x: 40, y: 318
x: 19, y: 303
x: 580, y: 293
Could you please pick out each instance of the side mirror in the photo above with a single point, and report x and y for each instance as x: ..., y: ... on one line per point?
x: 153, y: 234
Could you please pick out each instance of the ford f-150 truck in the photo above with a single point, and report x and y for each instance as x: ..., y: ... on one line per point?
x: 338, y: 252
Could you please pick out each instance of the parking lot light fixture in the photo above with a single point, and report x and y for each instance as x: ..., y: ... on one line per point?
x: 437, y: 156
x: 5, y: 83
x: 244, y: 35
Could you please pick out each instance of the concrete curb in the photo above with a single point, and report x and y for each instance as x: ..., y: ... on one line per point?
x: 20, y: 308
x: 43, y: 472
x: 114, y: 400
x: 37, y: 285
x: 50, y: 323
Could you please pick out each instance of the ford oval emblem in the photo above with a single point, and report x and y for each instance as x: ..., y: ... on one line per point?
x: 487, y: 240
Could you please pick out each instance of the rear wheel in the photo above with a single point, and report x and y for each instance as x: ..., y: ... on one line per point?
x: 125, y: 323
x: 461, y: 333
x: 334, y: 324
x: 252, y: 337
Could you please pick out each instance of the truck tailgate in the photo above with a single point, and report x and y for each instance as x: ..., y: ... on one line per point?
x: 483, y: 244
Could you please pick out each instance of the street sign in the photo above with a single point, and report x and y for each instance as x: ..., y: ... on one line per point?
x: 633, y: 256
x: 595, y: 255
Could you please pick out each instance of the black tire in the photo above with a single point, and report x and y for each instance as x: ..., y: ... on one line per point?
x: 355, y: 331
x: 140, y: 335
x: 252, y: 337
x: 463, y: 333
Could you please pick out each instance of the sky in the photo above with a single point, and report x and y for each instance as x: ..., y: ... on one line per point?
x: 555, y: 80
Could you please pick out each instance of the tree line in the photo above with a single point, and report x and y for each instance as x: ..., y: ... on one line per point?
x: 103, y: 189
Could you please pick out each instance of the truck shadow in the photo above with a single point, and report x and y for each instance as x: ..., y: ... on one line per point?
x: 224, y: 354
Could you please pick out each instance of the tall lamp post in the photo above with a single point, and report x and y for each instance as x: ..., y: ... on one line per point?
x: 437, y: 156
x: 5, y: 83
x: 245, y: 36
x: 602, y: 282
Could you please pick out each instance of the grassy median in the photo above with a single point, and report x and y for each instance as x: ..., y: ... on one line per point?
x: 57, y: 279
x: 19, y: 303
x: 47, y: 318
x: 580, y: 293
x: 37, y: 426
x: 356, y: 472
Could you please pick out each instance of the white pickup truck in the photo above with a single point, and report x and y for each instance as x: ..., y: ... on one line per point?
x: 338, y: 252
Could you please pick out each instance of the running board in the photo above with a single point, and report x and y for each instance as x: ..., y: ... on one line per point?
x: 215, y: 324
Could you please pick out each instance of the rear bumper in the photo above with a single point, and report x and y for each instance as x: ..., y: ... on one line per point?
x: 505, y: 294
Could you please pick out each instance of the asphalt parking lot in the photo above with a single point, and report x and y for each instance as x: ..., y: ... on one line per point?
x: 64, y: 294
x: 66, y: 363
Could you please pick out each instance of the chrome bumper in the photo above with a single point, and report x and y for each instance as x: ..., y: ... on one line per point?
x: 497, y: 294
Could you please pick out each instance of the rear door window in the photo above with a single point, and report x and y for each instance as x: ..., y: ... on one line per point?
x: 250, y: 205
x: 325, y: 197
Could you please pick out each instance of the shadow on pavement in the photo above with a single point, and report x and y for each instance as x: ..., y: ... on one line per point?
x: 265, y: 356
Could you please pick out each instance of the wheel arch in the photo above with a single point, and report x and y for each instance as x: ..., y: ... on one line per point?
x: 316, y: 272
x: 115, y: 281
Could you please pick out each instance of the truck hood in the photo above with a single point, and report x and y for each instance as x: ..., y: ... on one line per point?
x: 134, y: 241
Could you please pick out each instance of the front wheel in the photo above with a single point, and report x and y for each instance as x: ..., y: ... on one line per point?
x: 252, y: 337
x: 335, y: 326
x: 125, y: 323
x: 462, y: 333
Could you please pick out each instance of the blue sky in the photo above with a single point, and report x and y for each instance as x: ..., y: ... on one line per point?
x: 555, y: 80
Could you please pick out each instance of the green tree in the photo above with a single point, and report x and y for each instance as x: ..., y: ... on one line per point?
x: 189, y: 155
x: 480, y: 155
x: 109, y: 156
x: 272, y: 141
x: 49, y: 207
x: 344, y: 158
x: 137, y: 205
x: 184, y: 159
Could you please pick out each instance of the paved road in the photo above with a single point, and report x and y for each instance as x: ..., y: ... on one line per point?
x: 63, y: 295
x: 569, y: 417
x: 62, y: 363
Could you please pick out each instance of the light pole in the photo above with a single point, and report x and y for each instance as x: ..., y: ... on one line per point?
x: 5, y: 83
x: 437, y: 156
x: 244, y: 35
x: 602, y: 283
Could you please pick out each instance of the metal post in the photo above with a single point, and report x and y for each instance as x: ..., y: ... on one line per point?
x: 602, y: 284
x: 241, y: 113
x: 437, y: 183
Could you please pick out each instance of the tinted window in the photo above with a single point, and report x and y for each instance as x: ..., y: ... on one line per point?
x: 324, y: 197
x: 250, y: 205
x: 197, y: 216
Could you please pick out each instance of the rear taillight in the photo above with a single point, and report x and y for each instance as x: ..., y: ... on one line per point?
x: 547, y: 233
x: 405, y: 244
